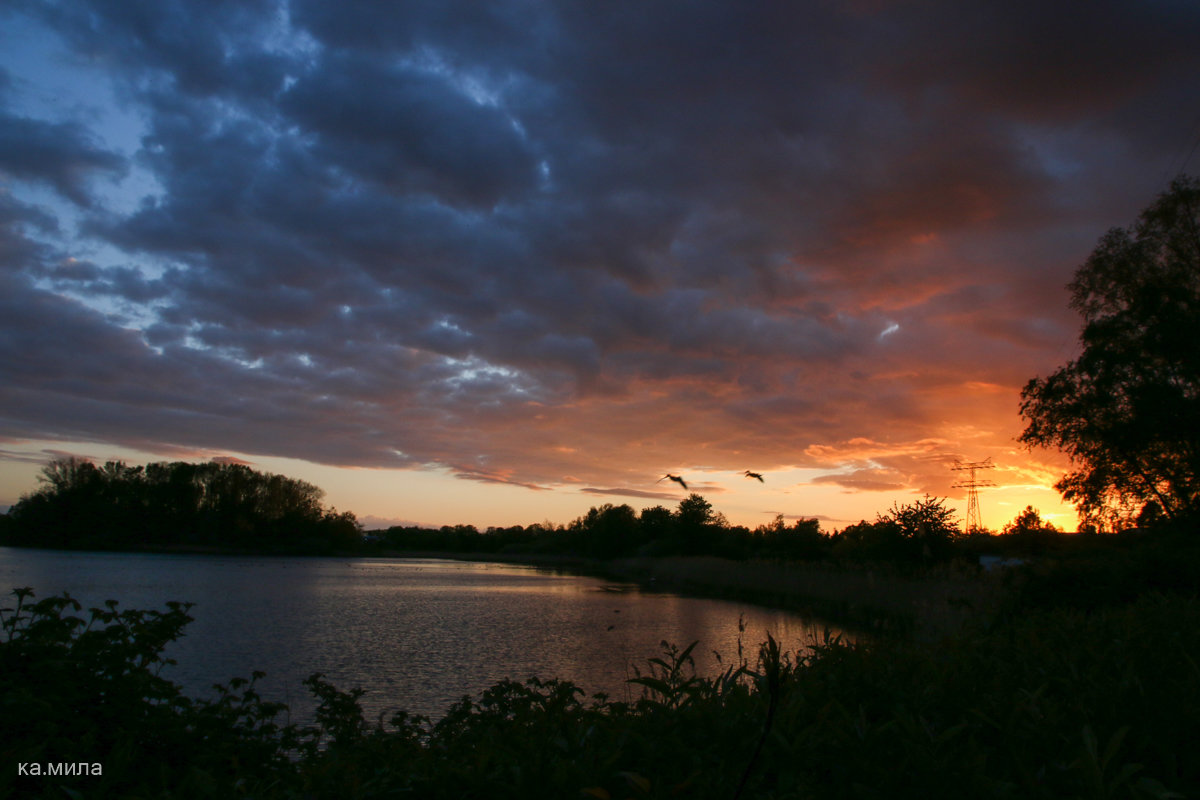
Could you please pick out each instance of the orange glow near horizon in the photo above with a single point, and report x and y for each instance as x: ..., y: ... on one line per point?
x: 523, y: 287
x: 435, y: 497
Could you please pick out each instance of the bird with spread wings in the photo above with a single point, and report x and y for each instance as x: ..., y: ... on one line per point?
x: 675, y: 478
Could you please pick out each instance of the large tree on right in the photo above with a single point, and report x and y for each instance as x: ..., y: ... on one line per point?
x: 1127, y: 410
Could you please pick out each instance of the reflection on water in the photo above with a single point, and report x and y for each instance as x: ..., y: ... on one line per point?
x: 415, y: 634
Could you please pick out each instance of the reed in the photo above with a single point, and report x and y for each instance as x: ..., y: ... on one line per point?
x: 928, y: 603
x: 1053, y: 703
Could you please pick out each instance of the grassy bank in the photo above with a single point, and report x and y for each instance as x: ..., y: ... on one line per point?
x: 878, y: 597
x: 929, y: 603
x: 929, y: 600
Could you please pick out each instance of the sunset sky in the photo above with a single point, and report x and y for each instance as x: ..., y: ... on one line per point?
x: 499, y: 263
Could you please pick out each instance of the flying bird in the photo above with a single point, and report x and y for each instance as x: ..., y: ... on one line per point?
x: 675, y: 478
x: 750, y: 474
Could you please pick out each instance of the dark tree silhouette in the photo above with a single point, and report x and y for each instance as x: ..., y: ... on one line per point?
x: 609, y: 530
x: 1127, y: 410
x: 119, y: 506
x: 1029, y: 521
x: 697, y: 525
x: 803, y: 539
x: 914, y: 532
x: 695, y: 512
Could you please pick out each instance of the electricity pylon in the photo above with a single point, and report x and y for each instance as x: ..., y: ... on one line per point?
x: 973, y: 484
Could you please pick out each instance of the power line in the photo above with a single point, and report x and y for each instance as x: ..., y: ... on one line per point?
x: 973, y: 484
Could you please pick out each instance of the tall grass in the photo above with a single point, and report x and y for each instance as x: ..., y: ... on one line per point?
x: 1059, y: 703
x: 931, y: 602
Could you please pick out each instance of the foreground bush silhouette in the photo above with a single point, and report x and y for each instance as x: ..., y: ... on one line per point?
x: 90, y: 691
x: 1058, y: 704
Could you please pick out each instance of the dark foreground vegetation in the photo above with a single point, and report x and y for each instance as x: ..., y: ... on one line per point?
x: 1042, y: 700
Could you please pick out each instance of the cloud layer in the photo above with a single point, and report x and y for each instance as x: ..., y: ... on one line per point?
x: 563, y: 245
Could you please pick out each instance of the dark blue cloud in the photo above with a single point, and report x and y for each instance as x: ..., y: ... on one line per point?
x: 411, y: 130
x: 566, y: 238
x: 61, y: 155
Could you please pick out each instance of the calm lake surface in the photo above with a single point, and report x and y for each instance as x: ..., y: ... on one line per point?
x: 416, y: 634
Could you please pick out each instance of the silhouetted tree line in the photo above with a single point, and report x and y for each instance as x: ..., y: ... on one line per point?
x: 922, y: 532
x: 117, y: 506
x: 163, y: 505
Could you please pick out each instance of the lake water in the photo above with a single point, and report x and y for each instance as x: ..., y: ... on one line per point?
x: 416, y: 634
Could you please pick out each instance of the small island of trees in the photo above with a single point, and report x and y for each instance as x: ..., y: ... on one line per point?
x: 177, y: 505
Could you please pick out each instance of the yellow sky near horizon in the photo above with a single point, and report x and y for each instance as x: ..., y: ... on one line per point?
x: 435, y: 497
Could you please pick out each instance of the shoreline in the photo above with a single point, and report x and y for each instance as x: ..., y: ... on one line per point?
x: 875, y: 599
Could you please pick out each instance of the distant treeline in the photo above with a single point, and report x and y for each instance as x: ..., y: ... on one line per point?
x: 916, y: 533
x: 231, y: 506
x: 205, y: 505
